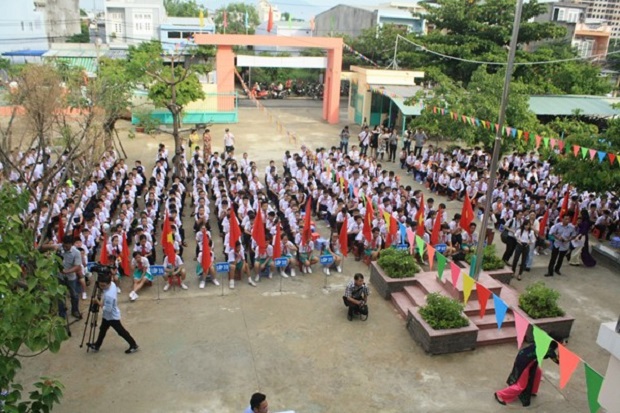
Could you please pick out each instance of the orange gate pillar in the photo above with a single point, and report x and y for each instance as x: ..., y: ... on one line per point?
x: 331, y: 95
x: 225, y: 67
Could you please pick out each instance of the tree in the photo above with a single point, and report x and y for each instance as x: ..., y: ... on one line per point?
x: 377, y: 43
x: 83, y: 36
x: 184, y: 8
x: 170, y: 86
x: 235, y: 18
x: 286, y: 16
x: 29, y: 293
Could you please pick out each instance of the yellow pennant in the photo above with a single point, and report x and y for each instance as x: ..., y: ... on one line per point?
x: 468, y: 284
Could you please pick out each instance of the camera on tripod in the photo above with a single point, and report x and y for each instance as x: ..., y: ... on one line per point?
x: 101, y: 269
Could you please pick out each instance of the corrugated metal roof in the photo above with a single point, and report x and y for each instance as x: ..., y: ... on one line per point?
x: 565, y: 105
x: 407, y: 110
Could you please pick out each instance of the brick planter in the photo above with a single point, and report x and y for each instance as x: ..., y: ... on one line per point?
x: 503, y: 275
x: 434, y: 341
x: 559, y: 327
x: 385, y: 285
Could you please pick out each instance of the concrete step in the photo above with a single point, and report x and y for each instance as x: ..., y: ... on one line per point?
x: 472, y: 309
x: 429, y: 283
x: 489, y: 321
x: 402, y: 303
x: 416, y: 295
x: 494, y: 336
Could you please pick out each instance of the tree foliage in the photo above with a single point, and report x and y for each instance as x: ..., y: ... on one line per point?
x: 376, y: 43
x: 29, y: 293
x: 184, y: 8
x: 235, y: 17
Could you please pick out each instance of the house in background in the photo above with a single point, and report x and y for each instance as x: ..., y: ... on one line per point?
x: 353, y: 20
x: 175, y: 29
x: 283, y: 28
x: 263, y: 7
x: 130, y: 22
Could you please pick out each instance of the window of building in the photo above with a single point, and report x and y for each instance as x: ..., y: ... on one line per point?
x: 143, y: 23
x: 187, y: 35
x: 174, y: 35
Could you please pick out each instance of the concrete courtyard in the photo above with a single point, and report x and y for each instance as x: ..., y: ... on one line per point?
x: 209, y: 350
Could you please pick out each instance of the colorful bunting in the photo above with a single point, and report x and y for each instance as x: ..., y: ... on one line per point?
x: 546, y: 142
x: 592, y: 154
x: 431, y: 256
x: 456, y: 272
x: 542, y: 340
x: 410, y: 239
x: 612, y: 158
x: 584, y: 152
x: 521, y: 325
x: 538, y: 139
x: 483, y: 296
x: 601, y: 156
x: 441, y: 264
x: 576, y: 149
x: 420, y: 243
x: 594, y: 382
x: 468, y: 285
x: 568, y: 363
x: 500, y: 310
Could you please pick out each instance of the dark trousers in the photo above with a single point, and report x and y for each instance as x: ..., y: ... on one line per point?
x: 511, y: 243
x: 392, y: 152
x: 344, y: 147
x: 72, y: 286
x: 557, y: 257
x: 521, y: 251
x: 417, y: 151
x: 120, y: 330
x: 363, y: 149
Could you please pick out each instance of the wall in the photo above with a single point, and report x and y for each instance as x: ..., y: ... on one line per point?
x: 344, y: 19
x: 63, y: 17
x: 26, y: 30
x: 129, y: 9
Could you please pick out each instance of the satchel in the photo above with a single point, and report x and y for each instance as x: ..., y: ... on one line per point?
x: 504, y: 236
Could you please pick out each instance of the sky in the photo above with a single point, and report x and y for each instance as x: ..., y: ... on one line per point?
x: 301, y: 9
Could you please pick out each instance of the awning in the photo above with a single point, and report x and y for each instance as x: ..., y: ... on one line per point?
x: 84, y: 59
x: 399, y: 94
x: 566, y: 105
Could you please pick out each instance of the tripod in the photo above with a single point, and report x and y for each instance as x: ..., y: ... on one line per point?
x: 93, y: 311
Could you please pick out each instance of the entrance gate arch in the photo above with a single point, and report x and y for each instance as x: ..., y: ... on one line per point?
x: 225, y: 62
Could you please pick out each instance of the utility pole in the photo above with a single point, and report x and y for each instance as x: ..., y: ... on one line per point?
x: 498, y: 139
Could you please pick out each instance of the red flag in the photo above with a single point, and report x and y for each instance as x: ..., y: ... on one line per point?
x: 61, y: 229
x: 277, y: 244
x: 564, y: 209
x: 575, y: 214
x: 125, y: 256
x: 167, y: 241
x: 235, y: 231
x: 270, y: 21
x: 103, y: 258
x: 205, y: 262
x: 542, y: 226
x: 258, y: 232
x: 467, y: 214
x: 344, y: 237
x: 436, y: 228
x: 367, y: 229
x: 306, y: 234
x: 419, y: 218
x: 225, y: 22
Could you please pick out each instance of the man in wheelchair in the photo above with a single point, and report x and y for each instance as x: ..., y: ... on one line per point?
x: 356, y: 297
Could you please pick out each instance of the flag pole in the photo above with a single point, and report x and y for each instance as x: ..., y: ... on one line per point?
x: 498, y: 139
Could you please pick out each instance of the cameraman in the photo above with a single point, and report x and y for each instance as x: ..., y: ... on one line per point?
x: 71, y: 266
x: 356, y: 296
x: 111, y: 315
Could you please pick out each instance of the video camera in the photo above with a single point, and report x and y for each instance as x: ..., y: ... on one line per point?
x: 101, y: 269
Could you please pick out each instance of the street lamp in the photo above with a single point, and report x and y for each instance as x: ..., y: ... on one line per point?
x: 498, y: 139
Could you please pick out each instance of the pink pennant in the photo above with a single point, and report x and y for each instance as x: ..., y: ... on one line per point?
x: 464, y: 118
x: 538, y: 139
x: 592, y: 154
x: 497, y: 127
x: 521, y: 325
x: 576, y: 149
x: 456, y: 272
x: 411, y: 239
x: 612, y: 158
x: 508, y: 130
x: 552, y: 143
x: 430, y: 251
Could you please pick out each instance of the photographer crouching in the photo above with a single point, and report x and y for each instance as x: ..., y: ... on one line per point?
x: 111, y: 314
x: 356, y: 297
x: 71, y: 267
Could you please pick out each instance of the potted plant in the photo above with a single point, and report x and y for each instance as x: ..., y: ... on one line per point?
x: 492, y: 264
x: 440, y: 326
x: 394, y: 270
x: 146, y: 123
x: 540, y: 305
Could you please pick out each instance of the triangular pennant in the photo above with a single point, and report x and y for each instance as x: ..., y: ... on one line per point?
x: 431, y: 256
x: 560, y: 144
x: 508, y: 130
x: 477, y: 122
x: 584, y: 152
x: 500, y: 310
x: 546, y: 142
x: 542, y: 340
x: 568, y: 363
x: 526, y: 135
x: 456, y: 272
x: 514, y: 132
x: 519, y: 133
x: 483, y: 296
x: 420, y: 243
x: 441, y: 264
x: 521, y: 325
x: 601, y: 156
x: 410, y: 239
x: 592, y: 154
x: 434, y: 109
x: 594, y: 382
x: 503, y: 130
x: 464, y: 118
x: 468, y: 285
x: 497, y: 127
x: 538, y: 139
x: 472, y: 266
x: 612, y: 158
x: 576, y: 149
x: 443, y: 111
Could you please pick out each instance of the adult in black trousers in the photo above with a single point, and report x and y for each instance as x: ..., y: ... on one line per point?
x: 511, y: 227
x: 525, y: 239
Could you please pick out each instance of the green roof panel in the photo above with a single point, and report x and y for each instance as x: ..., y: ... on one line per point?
x: 566, y: 105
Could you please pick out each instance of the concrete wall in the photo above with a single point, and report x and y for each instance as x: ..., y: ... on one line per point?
x: 63, y: 18
x: 26, y: 27
x: 344, y: 19
x: 131, y: 35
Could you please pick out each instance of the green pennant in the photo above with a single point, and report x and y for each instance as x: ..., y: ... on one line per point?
x: 546, y: 142
x: 584, y: 152
x: 594, y: 382
x: 472, y: 266
x: 441, y: 264
x: 503, y: 130
x: 420, y: 243
x: 542, y: 340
